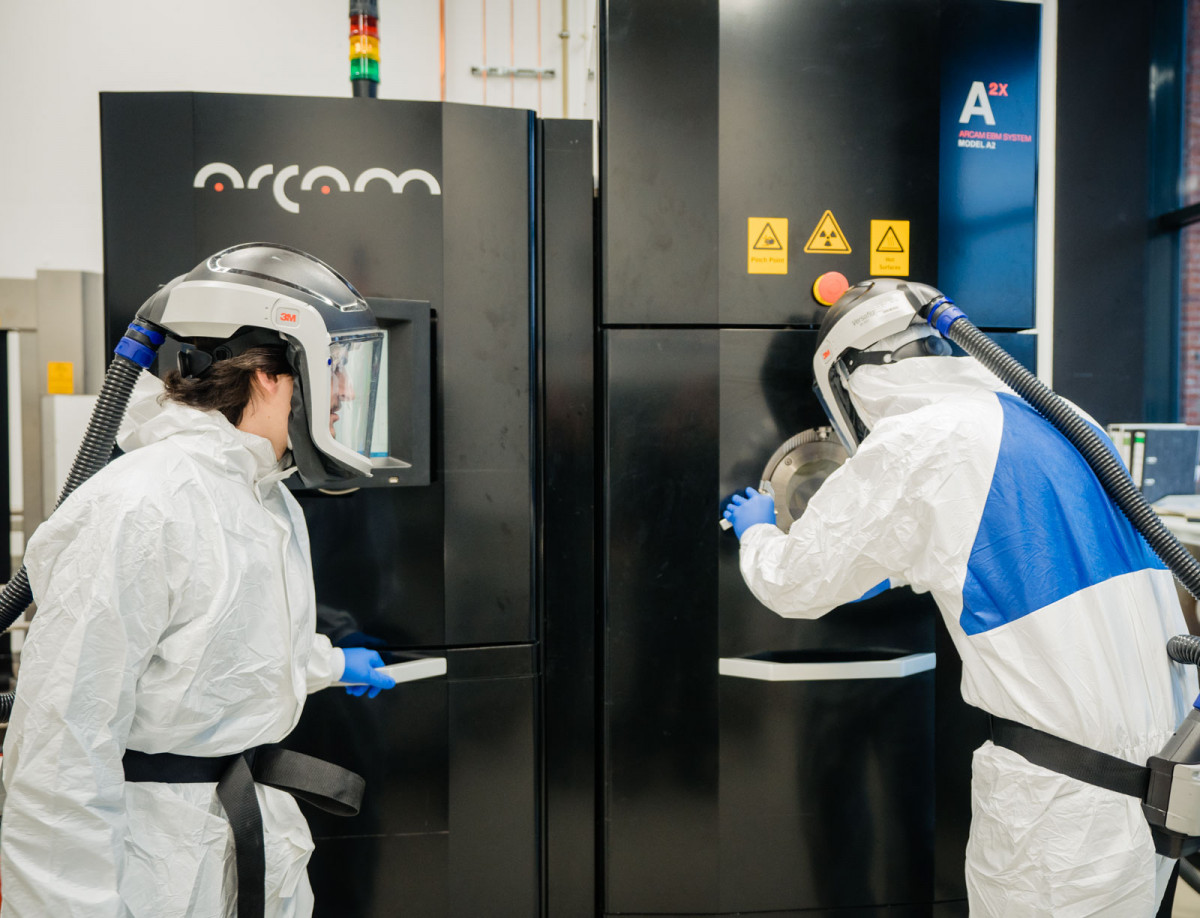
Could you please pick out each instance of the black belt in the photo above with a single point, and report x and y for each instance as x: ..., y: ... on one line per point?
x: 1088, y: 765
x: 329, y: 787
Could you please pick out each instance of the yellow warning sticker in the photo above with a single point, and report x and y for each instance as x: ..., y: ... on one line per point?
x: 767, y: 245
x: 60, y: 378
x: 827, y: 238
x: 889, y: 247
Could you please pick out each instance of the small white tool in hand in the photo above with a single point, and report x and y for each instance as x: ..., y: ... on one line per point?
x: 764, y: 487
x: 410, y: 670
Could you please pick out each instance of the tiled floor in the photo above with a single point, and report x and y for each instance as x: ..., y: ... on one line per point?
x: 1187, y: 902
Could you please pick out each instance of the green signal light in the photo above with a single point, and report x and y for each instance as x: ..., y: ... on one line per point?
x: 364, y: 68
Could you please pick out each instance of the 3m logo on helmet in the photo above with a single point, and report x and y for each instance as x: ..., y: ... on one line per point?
x: 286, y: 316
x: 310, y: 179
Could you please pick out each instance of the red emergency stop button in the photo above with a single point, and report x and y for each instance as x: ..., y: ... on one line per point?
x: 829, y: 286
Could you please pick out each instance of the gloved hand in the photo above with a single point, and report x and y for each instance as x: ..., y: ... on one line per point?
x: 361, y: 666
x: 745, y: 511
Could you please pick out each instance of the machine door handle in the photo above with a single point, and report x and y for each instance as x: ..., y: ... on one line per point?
x: 775, y: 671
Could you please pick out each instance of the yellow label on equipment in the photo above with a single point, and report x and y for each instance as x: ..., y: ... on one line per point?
x: 827, y: 238
x: 767, y: 245
x: 60, y: 378
x: 889, y: 247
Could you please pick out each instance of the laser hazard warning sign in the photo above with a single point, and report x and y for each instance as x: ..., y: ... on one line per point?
x: 767, y: 245
x: 889, y: 247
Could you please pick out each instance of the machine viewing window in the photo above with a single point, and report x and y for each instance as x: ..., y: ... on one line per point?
x: 400, y: 436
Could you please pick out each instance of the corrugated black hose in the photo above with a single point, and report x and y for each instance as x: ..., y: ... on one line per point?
x: 943, y: 315
x: 136, y: 350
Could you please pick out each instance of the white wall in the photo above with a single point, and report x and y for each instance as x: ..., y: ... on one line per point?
x: 55, y: 59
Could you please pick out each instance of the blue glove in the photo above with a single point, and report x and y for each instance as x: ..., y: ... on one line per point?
x: 361, y: 666
x: 754, y: 507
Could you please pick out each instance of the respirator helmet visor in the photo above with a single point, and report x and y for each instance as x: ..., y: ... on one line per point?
x: 261, y: 292
x: 876, y: 322
x: 353, y: 372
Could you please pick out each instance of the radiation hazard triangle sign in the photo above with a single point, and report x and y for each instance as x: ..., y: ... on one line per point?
x: 827, y: 238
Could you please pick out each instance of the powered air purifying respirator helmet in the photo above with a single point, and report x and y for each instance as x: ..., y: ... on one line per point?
x: 876, y: 322
x: 259, y: 293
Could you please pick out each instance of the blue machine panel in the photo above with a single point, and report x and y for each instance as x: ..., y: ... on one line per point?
x: 988, y: 160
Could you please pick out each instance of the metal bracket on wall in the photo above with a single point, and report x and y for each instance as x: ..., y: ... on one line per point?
x: 531, y: 72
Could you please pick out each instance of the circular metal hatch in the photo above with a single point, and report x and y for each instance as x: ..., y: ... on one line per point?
x: 798, y: 468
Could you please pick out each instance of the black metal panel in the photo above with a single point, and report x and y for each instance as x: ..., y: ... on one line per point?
x: 493, y: 854
x: 148, y: 201
x: 347, y: 878
x: 567, y: 319
x: 1101, y: 195
x: 1162, y: 326
x: 658, y: 165
x: 486, y: 329
x: 883, y: 911
x: 242, y: 136
x: 399, y: 743
x: 661, y: 693
x: 823, y: 106
x: 826, y: 792
x: 388, y: 244
x: 448, y: 819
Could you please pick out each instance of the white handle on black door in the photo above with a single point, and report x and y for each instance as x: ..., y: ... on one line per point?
x: 772, y: 671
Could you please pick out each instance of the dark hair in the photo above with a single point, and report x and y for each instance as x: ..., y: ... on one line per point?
x: 227, y: 385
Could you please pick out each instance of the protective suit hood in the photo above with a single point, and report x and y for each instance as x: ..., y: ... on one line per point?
x: 210, y: 438
x: 908, y: 385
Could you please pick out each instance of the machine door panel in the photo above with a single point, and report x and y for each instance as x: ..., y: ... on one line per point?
x: 726, y: 794
x: 448, y: 825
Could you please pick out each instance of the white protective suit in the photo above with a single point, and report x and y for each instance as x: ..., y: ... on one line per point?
x: 1058, y: 608
x: 175, y: 614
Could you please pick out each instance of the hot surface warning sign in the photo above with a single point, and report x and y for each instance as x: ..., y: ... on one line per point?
x: 827, y: 238
x: 767, y: 245
x: 889, y: 247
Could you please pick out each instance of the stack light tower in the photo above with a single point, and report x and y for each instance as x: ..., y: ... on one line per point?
x: 364, y: 48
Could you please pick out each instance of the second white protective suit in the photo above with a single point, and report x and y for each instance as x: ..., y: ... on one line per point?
x: 175, y: 614
x: 1057, y: 606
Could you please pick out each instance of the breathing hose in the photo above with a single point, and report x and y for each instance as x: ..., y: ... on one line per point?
x: 952, y: 323
x: 134, y: 352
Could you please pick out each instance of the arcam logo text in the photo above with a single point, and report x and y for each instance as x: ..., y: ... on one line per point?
x: 327, y: 175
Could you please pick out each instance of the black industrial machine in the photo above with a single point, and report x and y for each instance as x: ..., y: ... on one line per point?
x: 621, y: 728
x: 753, y: 764
x: 469, y: 229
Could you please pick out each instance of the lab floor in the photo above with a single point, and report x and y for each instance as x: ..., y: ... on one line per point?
x: 1187, y: 902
